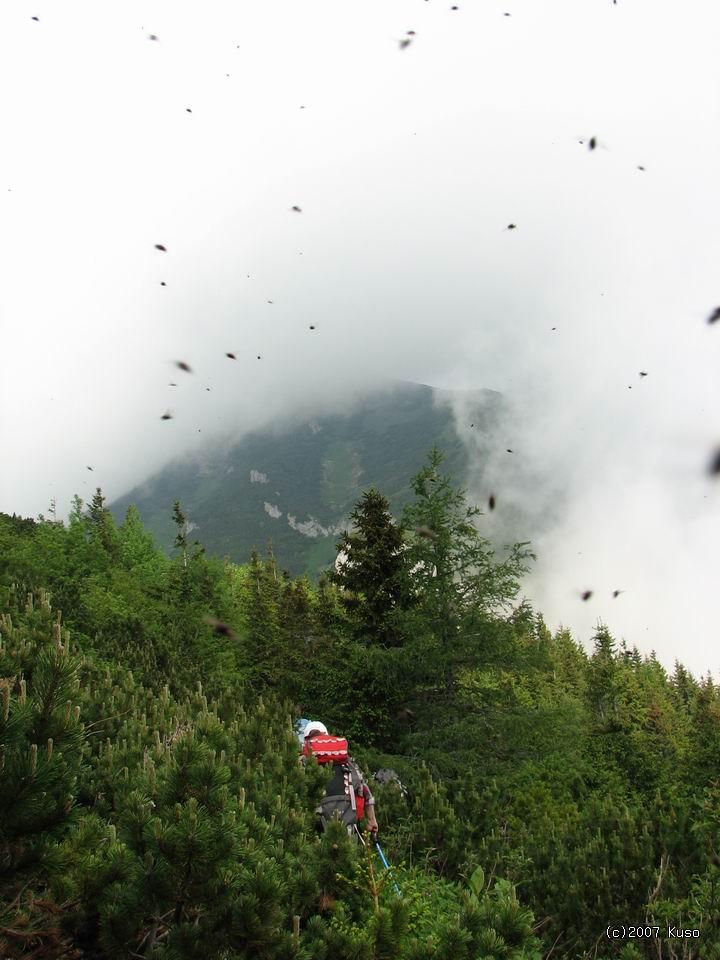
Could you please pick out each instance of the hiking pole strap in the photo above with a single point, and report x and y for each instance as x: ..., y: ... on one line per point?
x: 350, y: 787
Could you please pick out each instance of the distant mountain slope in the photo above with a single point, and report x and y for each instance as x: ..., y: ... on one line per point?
x: 298, y: 488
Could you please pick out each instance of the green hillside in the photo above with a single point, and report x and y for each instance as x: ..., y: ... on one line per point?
x: 557, y: 803
x: 311, y: 471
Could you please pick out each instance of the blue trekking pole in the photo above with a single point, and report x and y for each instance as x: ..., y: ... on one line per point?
x: 385, y: 863
x: 382, y: 856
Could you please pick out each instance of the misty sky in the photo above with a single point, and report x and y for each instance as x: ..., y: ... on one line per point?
x: 408, y: 165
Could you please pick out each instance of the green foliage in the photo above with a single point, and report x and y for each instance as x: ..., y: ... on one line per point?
x: 151, y: 799
x: 40, y: 733
x: 459, y: 571
x: 375, y: 575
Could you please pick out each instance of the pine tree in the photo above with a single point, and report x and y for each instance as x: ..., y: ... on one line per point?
x: 375, y: 573
x: 182, y: 577
x: 102, y: 527
x: 263, y: 639
x: 41, y: 746
x: 136, y: 545
x: 603, y: 678
x: 329, y: 619
x: 684, y: 686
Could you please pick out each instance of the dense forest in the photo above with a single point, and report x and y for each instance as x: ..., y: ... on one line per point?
x: 556, y: 803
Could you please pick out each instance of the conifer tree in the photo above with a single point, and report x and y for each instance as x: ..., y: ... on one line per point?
x: 79, y: 561
x: 182, y: 577
x: 684, y: 686
x: 603, y: 678
x: 705, y: 755
x: 327, y: 611
x: 374, y: 576
x: 40, y: 736
x: 456, y: 572
x: 263, y: 636
x: 136, y: 544
x: 102, y: 527
x: 41, y: 742
x: 299, y: 640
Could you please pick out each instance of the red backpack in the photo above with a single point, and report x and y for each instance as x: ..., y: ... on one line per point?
x: 327, y: 749
x: 342, y: 798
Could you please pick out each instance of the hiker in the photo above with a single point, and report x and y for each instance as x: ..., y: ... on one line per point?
x: 347, y: 796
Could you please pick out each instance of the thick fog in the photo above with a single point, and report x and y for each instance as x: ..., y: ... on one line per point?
x: 408, y: 165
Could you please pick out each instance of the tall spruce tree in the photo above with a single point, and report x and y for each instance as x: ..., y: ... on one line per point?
x: 102, y: 526
x: 263, y: 637
x: 375, y: 575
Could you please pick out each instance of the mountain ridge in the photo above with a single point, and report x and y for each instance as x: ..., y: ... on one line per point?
x: 296, y: 486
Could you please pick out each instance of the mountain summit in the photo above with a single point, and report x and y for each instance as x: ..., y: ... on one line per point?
x: 297, y: 486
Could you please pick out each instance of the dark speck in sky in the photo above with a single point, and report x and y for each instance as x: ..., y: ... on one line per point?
x: 714, y: 316
x: 592, y: 143
x: 586, y: 594
x: 296, y: 209
x: 231, y: 356
x: 427, y: 532
x: 159, y: 246
x: 511, y: 226
x: 166, y: 416
x: 714, y: 468
x: 181, y: 365
x: 491, y: 501
x: 152, y: 36
x: 220, y: 628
